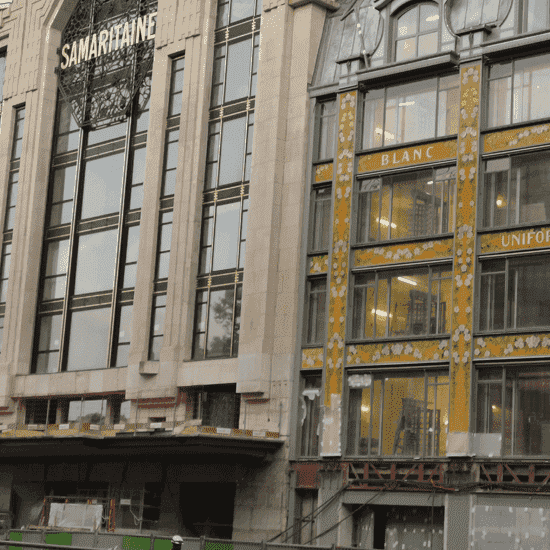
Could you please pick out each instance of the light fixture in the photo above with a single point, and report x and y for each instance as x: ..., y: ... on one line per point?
x: 433, y: 18
x: 365, y: 408
x: 406, y: 280
x: 430, y: 182
x: 406, y: 104
x: 381, y: 313
x: 385, y: 222
x: 500, y: 201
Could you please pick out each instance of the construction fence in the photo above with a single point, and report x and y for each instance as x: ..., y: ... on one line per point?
x: 110, y: 541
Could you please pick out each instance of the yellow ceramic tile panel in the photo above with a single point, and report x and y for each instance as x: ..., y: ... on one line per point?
x: 312, y: 358
x: 339, y: 266
x: 523, y: 239
x: 462, y: 313
x: 323, y: 172
x: 408, y: 156
x: 514, y: 139
x: 514, y: 345
x: 398, y: 352
x: 318, y: 264
x: 398, y: 253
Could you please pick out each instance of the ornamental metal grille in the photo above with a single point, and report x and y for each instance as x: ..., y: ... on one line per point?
x: 100, y: 90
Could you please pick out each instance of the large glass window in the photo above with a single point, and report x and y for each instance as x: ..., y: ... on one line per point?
x: 535, y: 15
x: 413, y: 204
x: 231, y: 11
x: 91, y: 244
x: 408, y: 302
x: 316, y: 306
x: 517, y: 91
x: 515, y: 403
x: 309, y: 414
x: 515, y: 293
x: 394, y: 413
x: 227, y: 177
x: 320, y: 219
x: 421, y: 31
x: 411, y: 112
x: 517, y: 190
x: 326, y: 114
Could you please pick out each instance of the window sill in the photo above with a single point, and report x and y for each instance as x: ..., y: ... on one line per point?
x: 526, y: 44
x: 408, y: 69
x: 405, y: 240
x: 511, y: 331
x: 408, y: 337
x: 512, y: 126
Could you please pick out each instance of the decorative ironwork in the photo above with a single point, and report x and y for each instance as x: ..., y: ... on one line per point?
x: 100, y: 88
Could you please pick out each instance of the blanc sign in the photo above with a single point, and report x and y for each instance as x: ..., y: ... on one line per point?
x: 140, y: 30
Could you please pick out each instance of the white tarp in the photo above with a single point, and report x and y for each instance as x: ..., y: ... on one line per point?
x: 86, y: 516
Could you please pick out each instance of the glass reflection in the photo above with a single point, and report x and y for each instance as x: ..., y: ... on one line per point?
x: 56, y: 270
x: 237, y: 82
x: 220, y: 322
x: 232, y: 151
x: 89, y: 339
x: 49, y: 342
x: 226, y: 236
x: 102, y: 185
x: 398, y: 415
x: 96, y: 261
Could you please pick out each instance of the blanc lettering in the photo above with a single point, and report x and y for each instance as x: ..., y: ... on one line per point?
x: 402, y: 157
x: 91, y: 47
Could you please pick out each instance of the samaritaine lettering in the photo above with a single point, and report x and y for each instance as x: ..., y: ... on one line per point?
x: 118, y: 36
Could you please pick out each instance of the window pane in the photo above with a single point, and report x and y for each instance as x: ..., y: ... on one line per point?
x: 226, y: 236
x: 373, y: 113
x: 416, y: 205
x: 237, y: 81
x: 448, y: 108
x: 50, y: 333
x: 410, y: 112
x: 124, y: 335
x: 321, y: 218
x: 500, y: 92
x: 493, y: 284
x: 530, y: 83
x: 240, y: 9
x: 102, y: 186
x: 58, y: 258
x: 429, y: 17
x: 232, y: 151
x: 95, y: 266
x: 310, y: 399
x: 536, y: 12
x: 405, y: 49
x: 532, y: 430
x: 407, y: 24
x: 220, y: 323
x: 94, y: 411
x: 409, y: 303
x: 132, y: 250
x: 316, y: 311
x: 427, y: 44
x: 89, y: 339
x: 528, y: 308
x: 403, y: 416
x: 532, y: 172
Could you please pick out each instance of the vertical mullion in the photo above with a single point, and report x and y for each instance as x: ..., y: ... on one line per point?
x: 371, y: 404
x: 206, y: 320
x: 390, y: 211
x: 388, y: 305
x: 518, y: 192
x: 375, y: 304
x: 503, y: 403
x: 428, y: 313
x: 381, y: 415
x: 120, y: 237
x: 506, y: 282
x: 71, y: 264
x: 233, y: 319
x: 436, y: 129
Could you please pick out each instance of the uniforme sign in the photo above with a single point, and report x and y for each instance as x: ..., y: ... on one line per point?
x: 116, y: 38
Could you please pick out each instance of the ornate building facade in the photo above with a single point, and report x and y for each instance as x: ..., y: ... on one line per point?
x: 276, y: 253
x: 424, y: 382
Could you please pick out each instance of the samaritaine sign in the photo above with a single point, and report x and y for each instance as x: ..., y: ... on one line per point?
x: 106, y: 59
x: 117, y: 37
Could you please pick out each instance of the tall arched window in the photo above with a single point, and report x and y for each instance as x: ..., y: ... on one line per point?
x: 420, y: 31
